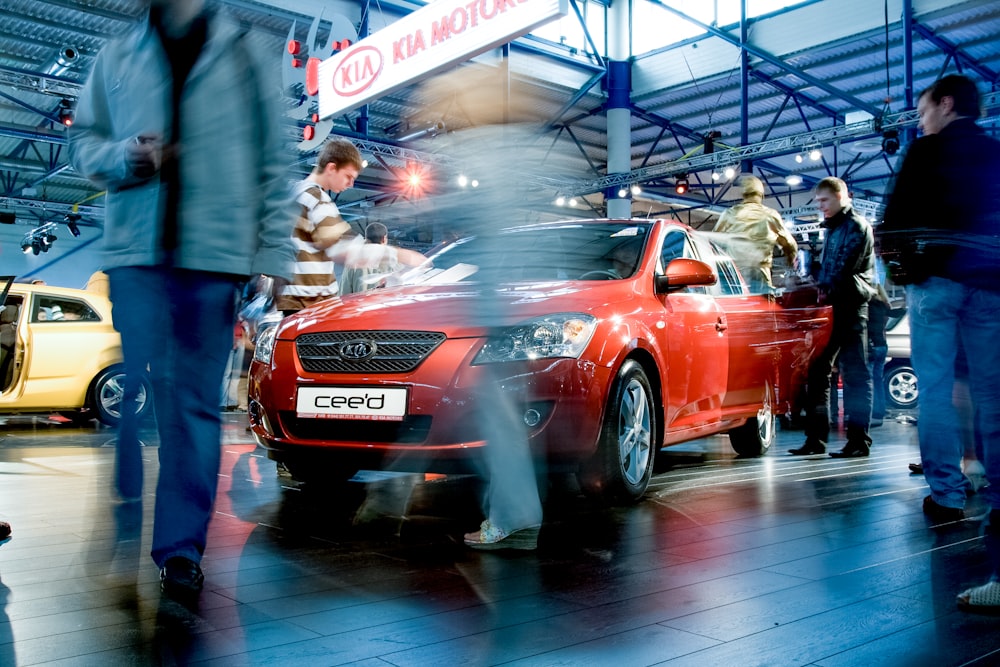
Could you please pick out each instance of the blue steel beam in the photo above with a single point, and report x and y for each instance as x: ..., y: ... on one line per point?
x: 772, y: 59
x: 956, y: 53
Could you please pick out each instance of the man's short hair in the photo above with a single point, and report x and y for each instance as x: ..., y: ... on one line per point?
x: 375, y: 232
x: 751, y: 185
x: 835, y: 185
x: 959, y: 88
x: 339, y: 152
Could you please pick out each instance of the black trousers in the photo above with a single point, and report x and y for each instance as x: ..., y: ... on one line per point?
x: 848, y: 348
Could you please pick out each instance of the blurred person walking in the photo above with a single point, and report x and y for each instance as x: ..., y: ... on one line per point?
x: 763, y: 228
x: 175, y: 124
x: 319, y: 226
x: 845, y: 280
x: 368, y: 269
x: 949, y: 258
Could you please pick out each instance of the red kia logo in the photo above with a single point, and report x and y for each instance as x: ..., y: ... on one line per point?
x: 357, y: 71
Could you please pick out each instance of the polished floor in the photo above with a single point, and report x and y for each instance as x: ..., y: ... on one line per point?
x: 773, y: 561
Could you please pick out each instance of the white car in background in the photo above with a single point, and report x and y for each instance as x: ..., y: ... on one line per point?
x: 899, y: 378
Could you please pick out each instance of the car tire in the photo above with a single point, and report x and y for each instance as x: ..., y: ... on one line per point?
x: 623, y: 463
x: 756, y: 436
x: 901, y: 389
x: 107, y: 392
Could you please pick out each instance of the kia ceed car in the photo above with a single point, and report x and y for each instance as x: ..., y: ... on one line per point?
x: 600, y: 342
x: 60, y: 353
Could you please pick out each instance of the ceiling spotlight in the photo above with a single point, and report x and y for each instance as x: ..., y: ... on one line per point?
x: 815, y: 154
x: 890, y: 142
x: 622, y: 193
x: 474, y: 183
x: 682, y: 185
x: 463, y: 180
x: 26, y: 248
x: 66, y: 112
x: 636, y: 190
x: 716, y: 175
x: 799, y: 158
x: 560, y: 201
x: 572, y: 201
x: 71, y: 223
x: 793, y: 180
x: 729, y: 172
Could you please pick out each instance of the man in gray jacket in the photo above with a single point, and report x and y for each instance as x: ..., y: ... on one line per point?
x: 175, y: 122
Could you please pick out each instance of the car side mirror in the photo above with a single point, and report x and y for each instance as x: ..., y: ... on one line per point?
x: 684, y: 272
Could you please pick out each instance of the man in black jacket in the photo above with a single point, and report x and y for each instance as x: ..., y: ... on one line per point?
x: 948, y: 256
x: 845, y: 281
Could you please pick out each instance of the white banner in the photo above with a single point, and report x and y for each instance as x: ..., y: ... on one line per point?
x: 429, y: 40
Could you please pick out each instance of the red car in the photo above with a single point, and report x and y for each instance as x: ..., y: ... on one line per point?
x: 611, y: 338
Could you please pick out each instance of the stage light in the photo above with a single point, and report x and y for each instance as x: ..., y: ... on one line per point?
x: 622, y: 193
x: 71, y: 223
x: 463, y: 180
x: 560, y: 201
x: 793, y: 180
x: 729, y: 172
x: 716, y: 176
x: 636, y: 190
x: 815, y: 154
x: 66, y: 113
x: 572, y: 201
x: 799, y: 158
x: 890, y: 142
x: 682, y: 185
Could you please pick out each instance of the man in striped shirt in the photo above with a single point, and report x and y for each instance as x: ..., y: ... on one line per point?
x: 319, y: 226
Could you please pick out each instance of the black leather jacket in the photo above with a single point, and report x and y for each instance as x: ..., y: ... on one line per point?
x: 847, y: 270
x: 943, y: 217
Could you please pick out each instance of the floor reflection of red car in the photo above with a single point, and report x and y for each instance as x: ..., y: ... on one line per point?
x: 611, y: 338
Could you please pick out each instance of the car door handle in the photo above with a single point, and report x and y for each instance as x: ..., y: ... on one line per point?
x: 720, y: 325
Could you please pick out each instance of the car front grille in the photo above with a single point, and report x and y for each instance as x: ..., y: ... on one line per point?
x: 365, y: 351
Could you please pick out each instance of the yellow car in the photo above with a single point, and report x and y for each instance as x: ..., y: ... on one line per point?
x: 59, y: 352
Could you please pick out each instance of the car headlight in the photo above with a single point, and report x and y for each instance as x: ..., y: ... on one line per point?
x: 559, y: 335
x: 265, y: 344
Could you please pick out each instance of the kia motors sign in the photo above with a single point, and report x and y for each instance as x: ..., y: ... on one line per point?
x: 429, y: 40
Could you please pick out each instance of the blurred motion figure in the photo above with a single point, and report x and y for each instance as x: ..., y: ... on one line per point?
x: 949, y: 258
x: 176, y: 123
x: 763, y: 228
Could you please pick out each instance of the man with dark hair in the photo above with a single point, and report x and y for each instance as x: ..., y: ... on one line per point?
x: 176, y: 124
x: 845, y: 280
x: 947, y: 255
x: 319, y: 226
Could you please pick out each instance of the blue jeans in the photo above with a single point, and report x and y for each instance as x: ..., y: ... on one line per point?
x: 942, y: 314
x: 179, y: 323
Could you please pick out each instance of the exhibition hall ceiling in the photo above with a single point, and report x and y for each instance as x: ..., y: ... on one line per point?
x: 828, y: 77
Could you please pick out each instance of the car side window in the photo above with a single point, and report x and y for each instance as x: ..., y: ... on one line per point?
x: 62, y: 309
x: 729, y: 280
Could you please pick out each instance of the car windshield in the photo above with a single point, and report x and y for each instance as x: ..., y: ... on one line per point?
x: 540, y: 253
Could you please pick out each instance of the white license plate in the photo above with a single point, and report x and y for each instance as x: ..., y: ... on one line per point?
x: 371, y: 403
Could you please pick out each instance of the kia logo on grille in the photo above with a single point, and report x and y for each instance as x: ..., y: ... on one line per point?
x: 357, y: 350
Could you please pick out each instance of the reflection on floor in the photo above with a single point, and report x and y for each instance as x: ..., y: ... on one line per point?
x: 774, y: 561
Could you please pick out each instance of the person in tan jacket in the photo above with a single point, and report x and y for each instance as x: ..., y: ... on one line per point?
x: 762, y: 227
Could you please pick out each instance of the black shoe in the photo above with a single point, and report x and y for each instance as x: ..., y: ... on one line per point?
x: 181, y: 578
x: 5, y: 532
x: 916, y: 468
x: 851, y: 451
x: 810, y: 447
x: 940, y: 513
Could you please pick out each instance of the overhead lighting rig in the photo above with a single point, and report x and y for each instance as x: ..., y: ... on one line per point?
x: 39, y: 239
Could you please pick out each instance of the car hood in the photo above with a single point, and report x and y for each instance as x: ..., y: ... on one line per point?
x: 459, y: 310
